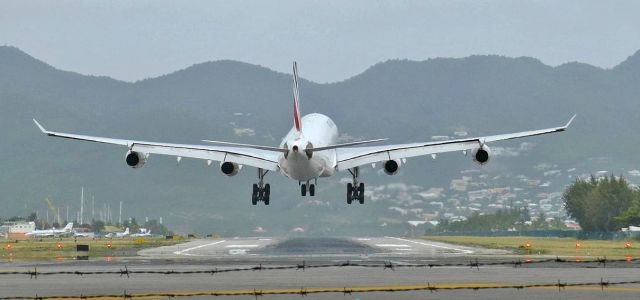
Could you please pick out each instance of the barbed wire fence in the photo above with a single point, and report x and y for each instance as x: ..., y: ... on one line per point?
x: 127, y: 272
x: 561, y: 286
x: 386, y: 265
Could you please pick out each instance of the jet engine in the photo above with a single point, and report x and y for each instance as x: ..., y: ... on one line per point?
x: 136, y: 159
x: 229, y: 168
x: 391, y: 167
x: 482, y: 155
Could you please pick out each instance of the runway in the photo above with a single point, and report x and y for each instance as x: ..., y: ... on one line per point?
x: 278, y: 249
x: 224, y: 254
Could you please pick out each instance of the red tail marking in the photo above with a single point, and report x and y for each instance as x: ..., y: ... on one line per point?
x: 296, y: 115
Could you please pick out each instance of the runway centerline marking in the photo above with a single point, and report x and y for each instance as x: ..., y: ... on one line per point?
x: 184, y: 252
x: 242, y: 246
x: 433, y: 245
x: 393, y: 245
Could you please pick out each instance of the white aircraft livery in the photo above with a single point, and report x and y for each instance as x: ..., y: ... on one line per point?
x: 67, y: 230
x: 309, y: 151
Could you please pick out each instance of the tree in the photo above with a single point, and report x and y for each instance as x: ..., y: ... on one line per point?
x: 132, y: 224
x: 97, y: 226
x: 540, y: 223
x: 500, y: 220
x: 156, y: 228
x: 605, y: 204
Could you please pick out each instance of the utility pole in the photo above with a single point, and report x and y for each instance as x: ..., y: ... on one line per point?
x: 120, y: 215
x: 93, y: 207
x: 81, y: 206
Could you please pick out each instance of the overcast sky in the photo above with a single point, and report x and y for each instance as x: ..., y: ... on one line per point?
x: 331, y: 40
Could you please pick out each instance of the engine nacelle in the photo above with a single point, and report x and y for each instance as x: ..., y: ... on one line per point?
x: 482, y: 155
x: 229, y: 168
x: 391, y: 167
x: 135, y: 159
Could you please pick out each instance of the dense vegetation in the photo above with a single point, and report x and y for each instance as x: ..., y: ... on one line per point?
x: 603, y: 204
x: 503, y: 220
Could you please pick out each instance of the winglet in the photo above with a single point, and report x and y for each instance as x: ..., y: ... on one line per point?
x: 40, y: 126
x: 571, y: 120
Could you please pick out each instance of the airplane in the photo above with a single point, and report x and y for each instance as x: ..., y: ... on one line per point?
x: 143, y: 233
x: 67, y: 230
x: 83, y: 234
x: 308, y: 151
x: 119, y: 234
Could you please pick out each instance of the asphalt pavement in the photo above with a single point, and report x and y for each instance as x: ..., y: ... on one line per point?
x: 246, y: 253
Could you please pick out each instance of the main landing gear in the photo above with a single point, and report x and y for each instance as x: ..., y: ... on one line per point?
x: 308, y: 187
x: 355, y: 191
x: 261, y: 191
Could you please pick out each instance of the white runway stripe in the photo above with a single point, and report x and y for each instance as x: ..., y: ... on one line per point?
x: 393, y: 245
x: 434, y: 245
x: 184, y: 252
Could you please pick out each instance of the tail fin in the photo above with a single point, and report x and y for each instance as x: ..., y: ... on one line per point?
x: 126, y: 231
x: 296, y: 107
x: 68, y: 227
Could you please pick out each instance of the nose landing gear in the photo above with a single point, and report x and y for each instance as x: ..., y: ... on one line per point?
x: 310, y: 187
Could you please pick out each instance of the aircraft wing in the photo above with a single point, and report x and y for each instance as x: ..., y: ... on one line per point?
x: 348, y: 158
x: 259, y: 158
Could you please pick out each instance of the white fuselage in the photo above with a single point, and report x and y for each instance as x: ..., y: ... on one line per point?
x: 317, y: 131
x: 48, y: 232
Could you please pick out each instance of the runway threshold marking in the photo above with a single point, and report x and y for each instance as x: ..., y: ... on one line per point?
x: 433, y: 245
x: 184, y: 252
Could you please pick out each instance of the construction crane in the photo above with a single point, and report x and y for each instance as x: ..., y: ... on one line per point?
x: 53, y: 210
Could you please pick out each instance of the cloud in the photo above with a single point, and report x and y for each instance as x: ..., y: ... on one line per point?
x: 244, y: 132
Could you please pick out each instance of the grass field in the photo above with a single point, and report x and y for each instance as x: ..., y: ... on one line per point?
x: 548, y: 246
x: 52, y: 249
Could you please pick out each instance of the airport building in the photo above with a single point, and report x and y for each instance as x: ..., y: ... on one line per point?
x: 16, y: 230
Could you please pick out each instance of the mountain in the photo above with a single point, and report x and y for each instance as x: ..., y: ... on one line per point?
x: 403, y: 100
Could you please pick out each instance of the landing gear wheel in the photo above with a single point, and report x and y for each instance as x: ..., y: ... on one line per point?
x: 303, y: 190
x: 254, y: 195
x: 261, y: 191
x: 355, y: 190
x: 267, y: 194
x: 349, y: 193
x: 312, y: 190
